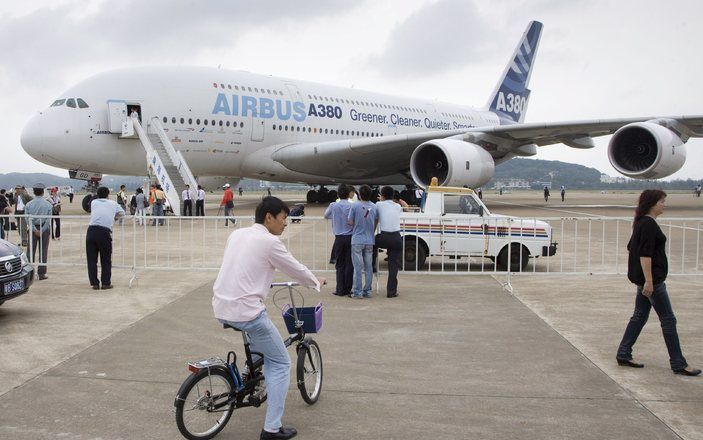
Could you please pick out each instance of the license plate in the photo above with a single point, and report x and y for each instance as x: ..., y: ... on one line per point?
x: 14, y: 286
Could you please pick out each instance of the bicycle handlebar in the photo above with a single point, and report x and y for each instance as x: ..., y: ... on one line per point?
x: 285, y: 284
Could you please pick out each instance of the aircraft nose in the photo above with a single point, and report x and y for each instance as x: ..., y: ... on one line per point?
x: 32, y: 137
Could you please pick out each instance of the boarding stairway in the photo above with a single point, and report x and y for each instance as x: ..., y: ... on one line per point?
x: 165, y: 162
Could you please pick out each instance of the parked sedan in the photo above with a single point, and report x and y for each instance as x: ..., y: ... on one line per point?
x: 16, y: 274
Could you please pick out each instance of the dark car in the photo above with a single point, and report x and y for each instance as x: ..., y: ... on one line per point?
x: 16, y: 274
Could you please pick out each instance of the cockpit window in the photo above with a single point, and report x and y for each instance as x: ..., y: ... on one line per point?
x: 81, y: 103
x: 58, y: 102
x: 71, y: 103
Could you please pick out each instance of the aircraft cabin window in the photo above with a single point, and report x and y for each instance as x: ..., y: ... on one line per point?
x: 227, y: 124
x: 71, y: 103
x: 205, y: 121
x: 325, y: 131
x: 165, y: 119
x: 214, y: 85
x: 249, y: 88
x: 268, y: 91
x: 222, y: 85
x: 229, y: 86
x: 173, y: 120
x: 221, y: 123
x: 190, y: 121
x: 58, y: 102
x: 241, y: 124
x: 197, y: 122
x: 183, y: 121
x: 236, y: 87
x: 285, y: 128
x: 81, y: 103
x: 309, y: 129
x: 297, y: 128
x: 256, y: 90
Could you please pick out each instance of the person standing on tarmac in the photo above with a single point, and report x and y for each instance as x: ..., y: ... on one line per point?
x: 187, y: 201
x: 546, y: 193
x: 200, y: 202
x: 228, y: 203
x: 339, y: 213
x: 389, y: 238
x: 39, y: 210
x: 98, y: 238
x: 563, y: 193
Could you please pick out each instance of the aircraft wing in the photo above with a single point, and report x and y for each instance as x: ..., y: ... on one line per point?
x: 386, y: 155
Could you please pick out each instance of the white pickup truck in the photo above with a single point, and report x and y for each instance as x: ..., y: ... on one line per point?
x: 455, y: 223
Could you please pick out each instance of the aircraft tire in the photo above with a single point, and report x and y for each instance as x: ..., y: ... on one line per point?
x: 86, y: 202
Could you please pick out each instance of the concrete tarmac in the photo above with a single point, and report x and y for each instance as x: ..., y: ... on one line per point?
x: 451, y: 357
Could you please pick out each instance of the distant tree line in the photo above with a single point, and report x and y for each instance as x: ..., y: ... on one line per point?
x: 575, y: 176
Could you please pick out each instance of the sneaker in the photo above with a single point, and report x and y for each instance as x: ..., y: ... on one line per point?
x: 367, y: 295
x: 357, y: 296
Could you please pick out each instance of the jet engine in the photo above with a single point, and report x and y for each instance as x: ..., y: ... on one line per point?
x: 452, y: 162
x: 644, y: 150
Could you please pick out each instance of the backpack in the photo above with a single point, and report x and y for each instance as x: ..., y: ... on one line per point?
x: 133, y: 201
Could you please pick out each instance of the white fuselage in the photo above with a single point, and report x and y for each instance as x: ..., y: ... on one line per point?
x: 226, y: 123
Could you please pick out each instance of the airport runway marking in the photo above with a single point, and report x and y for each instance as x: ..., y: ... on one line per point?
x: 560, y: 210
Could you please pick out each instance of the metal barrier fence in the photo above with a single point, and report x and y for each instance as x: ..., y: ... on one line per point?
x: 585, y: 245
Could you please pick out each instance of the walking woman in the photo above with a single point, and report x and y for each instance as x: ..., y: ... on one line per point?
x: 647, y: 268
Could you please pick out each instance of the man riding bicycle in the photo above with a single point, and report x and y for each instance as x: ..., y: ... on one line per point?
x: 248, y: 266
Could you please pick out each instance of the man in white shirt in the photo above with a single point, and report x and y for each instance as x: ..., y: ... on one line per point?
x: 389, y: 238
x: 98, y: 238
x: 187, y: 197
x: 200, y: 202
x: 251, y: 258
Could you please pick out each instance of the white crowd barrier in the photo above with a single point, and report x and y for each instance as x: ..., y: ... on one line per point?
x: 584, y: 245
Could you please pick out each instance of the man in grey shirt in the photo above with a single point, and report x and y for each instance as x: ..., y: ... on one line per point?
x: 40, y: 227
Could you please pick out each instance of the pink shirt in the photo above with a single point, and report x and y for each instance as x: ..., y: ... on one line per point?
x: 251, y: 258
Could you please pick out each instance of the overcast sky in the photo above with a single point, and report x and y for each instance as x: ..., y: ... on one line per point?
x: 597, y: 59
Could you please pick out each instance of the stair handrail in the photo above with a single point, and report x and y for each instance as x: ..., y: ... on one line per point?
x: 156, y: 167
x: 176, y: 157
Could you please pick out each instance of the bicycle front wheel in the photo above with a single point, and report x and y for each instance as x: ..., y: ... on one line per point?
x: 199, y: 411
x: 309, y: 372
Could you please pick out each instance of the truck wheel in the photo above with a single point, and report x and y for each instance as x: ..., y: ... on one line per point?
x: 86, y: 202
x: 414, y: 255
x: 518, y: 259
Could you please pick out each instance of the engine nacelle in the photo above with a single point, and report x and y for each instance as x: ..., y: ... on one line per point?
x: 452, y: 162
x: 643, y: 150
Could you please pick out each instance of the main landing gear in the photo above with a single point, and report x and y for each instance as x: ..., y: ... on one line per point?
x: 321, y: 195
x: 92, y: 187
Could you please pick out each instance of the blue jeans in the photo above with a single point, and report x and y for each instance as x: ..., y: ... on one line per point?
x: 662, y: 305
x: 157, y: 211
x: 362, y: 258
x: 265, y: 339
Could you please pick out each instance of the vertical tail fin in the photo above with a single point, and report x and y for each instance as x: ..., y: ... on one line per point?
x: 511, y: 95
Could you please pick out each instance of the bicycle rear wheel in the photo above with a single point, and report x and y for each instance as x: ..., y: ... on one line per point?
x: 196, y: 416
x: 309, y: 371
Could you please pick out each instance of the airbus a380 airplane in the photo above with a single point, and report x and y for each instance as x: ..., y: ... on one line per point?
x: 232, y: 123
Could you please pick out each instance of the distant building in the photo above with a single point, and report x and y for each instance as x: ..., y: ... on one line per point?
x: 512, y: 183
x: 604, y: 178
x: 541, y: 185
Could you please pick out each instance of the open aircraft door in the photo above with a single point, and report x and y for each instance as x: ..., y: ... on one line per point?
x: 116, y: 115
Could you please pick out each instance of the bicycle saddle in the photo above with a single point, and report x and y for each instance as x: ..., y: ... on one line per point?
x: 229, y: 326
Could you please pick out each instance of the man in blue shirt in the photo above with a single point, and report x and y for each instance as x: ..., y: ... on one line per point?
x: 363, y: 218
x: 339, y: 213
x: 40, y: 227
x: 98, y: 238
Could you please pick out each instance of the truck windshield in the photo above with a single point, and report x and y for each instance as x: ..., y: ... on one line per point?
x: 460, y: 204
